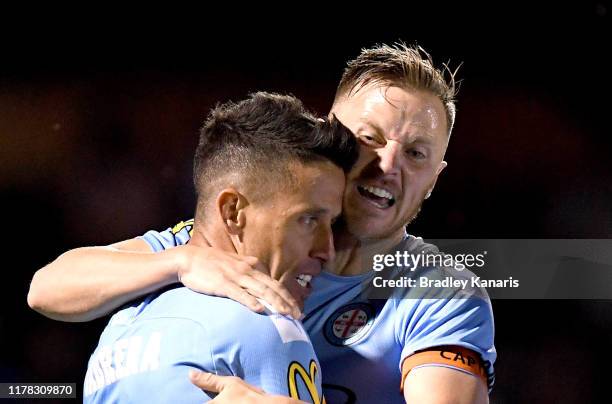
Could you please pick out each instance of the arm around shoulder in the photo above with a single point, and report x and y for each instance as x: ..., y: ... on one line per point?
x: 89, y: 282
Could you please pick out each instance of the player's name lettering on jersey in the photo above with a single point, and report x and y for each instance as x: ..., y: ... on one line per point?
x: 125, y: 357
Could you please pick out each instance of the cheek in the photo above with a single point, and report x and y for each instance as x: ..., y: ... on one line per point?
x: 416, y: 184
x: 288, y: 243
x: 301, y: 244
x: 260, y: 236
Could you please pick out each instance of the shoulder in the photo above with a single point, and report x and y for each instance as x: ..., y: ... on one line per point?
x: 223, y: 315
x: 416, y: 245
x: 437, y: 274
x: 174, y: 236
x: 209, y: 310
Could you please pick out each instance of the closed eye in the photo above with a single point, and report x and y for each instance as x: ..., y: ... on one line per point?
x: 370, y: 140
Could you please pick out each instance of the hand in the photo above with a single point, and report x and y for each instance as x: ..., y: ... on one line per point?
x: 240, y: 278
x: 232, y: 389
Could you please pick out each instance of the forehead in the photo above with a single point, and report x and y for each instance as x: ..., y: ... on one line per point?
x: 396, y: 111
x: 316, y: 185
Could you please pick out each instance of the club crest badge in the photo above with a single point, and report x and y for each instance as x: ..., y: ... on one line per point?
x: 349, y: 324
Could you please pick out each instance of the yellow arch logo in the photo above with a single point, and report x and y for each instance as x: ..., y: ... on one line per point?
x: 297, y: 370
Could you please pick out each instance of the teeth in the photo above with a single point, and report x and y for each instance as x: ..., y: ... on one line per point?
x: 382, y: 193
x: 303, y: 280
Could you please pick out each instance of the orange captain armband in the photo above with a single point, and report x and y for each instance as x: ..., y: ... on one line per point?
x: 454, y: 357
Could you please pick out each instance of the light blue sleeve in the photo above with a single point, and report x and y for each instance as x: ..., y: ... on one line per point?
x: 180, y: 234
x: 269, y: 351
x: 466, y: 322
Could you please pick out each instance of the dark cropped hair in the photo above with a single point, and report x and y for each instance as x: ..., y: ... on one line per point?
x: 255, y: 139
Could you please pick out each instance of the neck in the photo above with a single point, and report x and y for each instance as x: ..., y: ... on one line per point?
x: 355, y: 256
x: 208, y: 236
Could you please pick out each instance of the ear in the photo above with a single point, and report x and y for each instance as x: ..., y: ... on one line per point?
x: 230, y: 206
x: 441, y: 167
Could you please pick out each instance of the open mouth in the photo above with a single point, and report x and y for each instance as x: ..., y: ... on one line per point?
x: 378, y: 196
x: 304, y: 280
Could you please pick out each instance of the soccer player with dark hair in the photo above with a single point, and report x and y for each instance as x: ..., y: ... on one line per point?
x: 280, y: 211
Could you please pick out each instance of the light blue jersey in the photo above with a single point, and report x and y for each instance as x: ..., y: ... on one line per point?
x: 147, y: 349
x: 361, y: 342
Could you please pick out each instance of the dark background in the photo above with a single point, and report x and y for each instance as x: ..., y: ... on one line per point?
x: 98, y: 124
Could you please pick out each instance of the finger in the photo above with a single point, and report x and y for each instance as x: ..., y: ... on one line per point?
x: 258, y: 281
x: 249, y: 259
x: 261, y: 274
x: 241, y: 296
x: 260, y: 288
x: 207, y: 381
x: 216, y: 384
x: 277, y: 295
x: 255, y: 264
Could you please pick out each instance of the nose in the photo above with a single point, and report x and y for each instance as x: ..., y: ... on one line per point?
x: 323, y: 247
x: 389, y: 156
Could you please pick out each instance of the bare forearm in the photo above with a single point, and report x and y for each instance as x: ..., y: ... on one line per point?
x: 440, y: 385
x: 87, y: 283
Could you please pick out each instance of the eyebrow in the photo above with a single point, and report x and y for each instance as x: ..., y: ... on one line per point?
x: 322, y: 211
x: 315, y: 211
x: 419, y: 137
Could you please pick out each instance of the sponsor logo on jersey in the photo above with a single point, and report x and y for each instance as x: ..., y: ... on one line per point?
x: 297, y: 372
